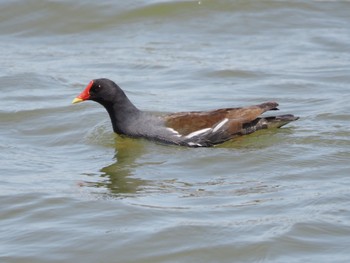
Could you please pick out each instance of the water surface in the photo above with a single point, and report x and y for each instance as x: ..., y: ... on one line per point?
x: 72, y: 191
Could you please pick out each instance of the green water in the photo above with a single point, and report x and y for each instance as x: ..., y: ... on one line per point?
x: 72, y: 191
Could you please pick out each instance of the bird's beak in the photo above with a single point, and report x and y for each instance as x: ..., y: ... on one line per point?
x: 85, y: 95
x: 77, y: 100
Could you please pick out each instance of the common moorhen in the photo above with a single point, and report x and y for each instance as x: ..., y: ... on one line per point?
x: 193, y: 129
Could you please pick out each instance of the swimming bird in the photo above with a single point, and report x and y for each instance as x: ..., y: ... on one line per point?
x: 192, y: 129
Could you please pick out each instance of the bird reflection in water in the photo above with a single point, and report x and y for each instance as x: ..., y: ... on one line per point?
x: 118, y: 177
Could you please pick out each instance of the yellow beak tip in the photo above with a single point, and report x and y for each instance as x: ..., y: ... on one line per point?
x: 77, y: 100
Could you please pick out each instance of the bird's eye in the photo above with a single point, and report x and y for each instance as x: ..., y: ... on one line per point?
x: 95, y: 88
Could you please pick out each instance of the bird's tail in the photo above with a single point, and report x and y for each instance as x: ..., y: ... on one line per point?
x: 278, y: 121
x: 268, y: 123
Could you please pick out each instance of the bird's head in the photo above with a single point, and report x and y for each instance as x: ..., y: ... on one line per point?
x: 100, y: 90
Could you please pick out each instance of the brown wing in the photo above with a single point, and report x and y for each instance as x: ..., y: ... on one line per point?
x: 188, y: 122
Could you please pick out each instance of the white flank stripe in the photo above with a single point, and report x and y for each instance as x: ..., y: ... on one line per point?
x: 176, y: 133
x: 194, y: 144
x: 192, y: 134
x: 222, y: 123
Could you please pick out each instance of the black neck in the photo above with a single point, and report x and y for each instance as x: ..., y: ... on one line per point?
x: 121, y: 112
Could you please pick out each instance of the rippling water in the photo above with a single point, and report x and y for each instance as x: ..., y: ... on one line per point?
x: 72, y: 191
